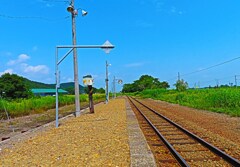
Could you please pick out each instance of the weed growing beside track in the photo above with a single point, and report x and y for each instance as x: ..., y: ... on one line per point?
x: 35, y: 105
x: 222, y: 100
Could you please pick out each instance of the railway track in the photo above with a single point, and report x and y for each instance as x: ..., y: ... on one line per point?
x: 172, y: 145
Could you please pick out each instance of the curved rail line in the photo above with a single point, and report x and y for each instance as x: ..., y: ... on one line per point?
x: 181, y: 160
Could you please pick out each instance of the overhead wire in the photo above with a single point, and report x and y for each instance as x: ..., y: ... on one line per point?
x: 228, y: 61
x: 207, y: 68
x: 56, y: 1
x: 214, y: 80
x: 38, y: 17
x: 33, y: 17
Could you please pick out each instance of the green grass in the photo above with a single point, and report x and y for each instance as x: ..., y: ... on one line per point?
x: 222, y: 100
x: 35, y: 105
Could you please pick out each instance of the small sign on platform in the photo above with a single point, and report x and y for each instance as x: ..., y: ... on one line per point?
x: 87, y: 80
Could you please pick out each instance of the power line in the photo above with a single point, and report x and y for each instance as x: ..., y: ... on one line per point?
x: 204, y: 69
x: 33, y: 17
x: 56, y: 1
x: 228, y: 61
x: 224, y: 78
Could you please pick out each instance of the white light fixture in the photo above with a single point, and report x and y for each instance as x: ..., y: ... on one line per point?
x: 84, y: 13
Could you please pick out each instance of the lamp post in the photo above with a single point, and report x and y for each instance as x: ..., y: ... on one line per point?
x: 114, y: 85
x: 107, y: 46
x: 106, y: 91
x: 74, y: 13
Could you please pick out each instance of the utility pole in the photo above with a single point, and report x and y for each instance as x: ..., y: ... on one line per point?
x: 114, y: 86
x: 217, y: 83
x: 178, y: 76
x: 75, y: 62
x: 107, y: 94
x: 236, y: 81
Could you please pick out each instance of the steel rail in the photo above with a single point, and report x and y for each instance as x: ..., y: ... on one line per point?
x: 214, y: 149
x: 177, y: 156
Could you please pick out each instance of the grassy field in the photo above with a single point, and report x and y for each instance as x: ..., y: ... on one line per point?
x: 22, y: 107
x: 222, y: 100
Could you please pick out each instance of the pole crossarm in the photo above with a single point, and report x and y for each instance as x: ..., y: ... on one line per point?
x: 65, y: 56
x: 86, y: 46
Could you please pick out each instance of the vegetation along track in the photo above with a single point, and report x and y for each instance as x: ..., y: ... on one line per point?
x: 173, y: 145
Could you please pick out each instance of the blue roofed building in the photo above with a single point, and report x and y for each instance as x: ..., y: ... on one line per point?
x: 47, y: 92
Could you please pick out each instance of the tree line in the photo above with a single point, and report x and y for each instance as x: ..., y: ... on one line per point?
x: 149, y: 82
x: 145, y: 82
x: 13, y: 86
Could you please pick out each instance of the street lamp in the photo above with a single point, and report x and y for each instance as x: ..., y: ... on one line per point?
x: 71, y: 9
x: 119, y: 81
x: 106, y: 91
x: 74, y: 13
x: 107, y: 46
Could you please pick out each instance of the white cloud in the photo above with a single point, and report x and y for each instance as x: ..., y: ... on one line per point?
x: 162, y: 6
x: 20, y: 62
x: 23, y: 67
x: 143, y: 24
x: 46, y: 3
x: 21, y: 58
x: 158, y: 5
x: 174, y: 10
x: 10, y: 71
x: 11, y: 62
x: 40, y: 69
x: 138, y: 64
x: 49, y: 5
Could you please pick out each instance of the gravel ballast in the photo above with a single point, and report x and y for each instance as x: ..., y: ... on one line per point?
x: 99, y: 139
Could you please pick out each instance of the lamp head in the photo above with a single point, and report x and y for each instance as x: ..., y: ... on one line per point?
x: 84, y: 13
x: 70, y: 9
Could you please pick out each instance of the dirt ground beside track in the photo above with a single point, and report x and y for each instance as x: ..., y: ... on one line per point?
x: 221, y: 130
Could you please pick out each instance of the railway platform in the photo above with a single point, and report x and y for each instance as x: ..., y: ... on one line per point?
x: 109, y: 137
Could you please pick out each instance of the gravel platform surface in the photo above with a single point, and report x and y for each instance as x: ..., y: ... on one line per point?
x: 99, y: 139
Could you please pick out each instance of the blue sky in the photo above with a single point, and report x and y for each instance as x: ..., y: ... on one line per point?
x: 155, y: 37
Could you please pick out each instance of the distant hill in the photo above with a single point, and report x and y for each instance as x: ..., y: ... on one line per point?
x: 34, y: 84
x: 69, y: 86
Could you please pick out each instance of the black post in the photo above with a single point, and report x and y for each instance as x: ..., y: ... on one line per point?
x: 91, y: 105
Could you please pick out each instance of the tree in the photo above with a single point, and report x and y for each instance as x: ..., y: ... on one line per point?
x: 100, y: 90
x: 127, y: 88
x: 181, y: 85
x: 95, y: 90
x: 14, y: 87
x: 164, y: 85
x: 70, y: 90
x: 144, y: 82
